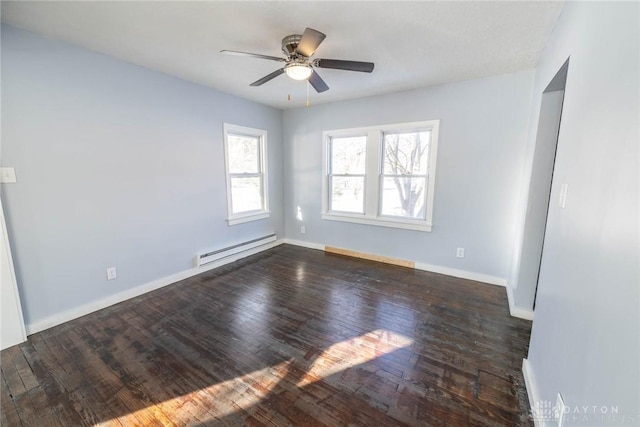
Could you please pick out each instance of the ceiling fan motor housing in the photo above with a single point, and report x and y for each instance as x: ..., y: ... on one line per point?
x: 290, y: 44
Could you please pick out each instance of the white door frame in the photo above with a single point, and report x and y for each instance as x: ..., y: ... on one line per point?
x: 13, y: 329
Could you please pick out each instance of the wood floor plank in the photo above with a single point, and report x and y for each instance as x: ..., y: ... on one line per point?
x: 287, y: 337
x: 9, y: 413
x: 50, y: 392
x: 99, y: 392
x: 10, y: 372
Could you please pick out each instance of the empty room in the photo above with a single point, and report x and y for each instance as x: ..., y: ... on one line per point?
x: 320, y: 213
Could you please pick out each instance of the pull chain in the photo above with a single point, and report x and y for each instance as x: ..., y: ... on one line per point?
x: 308, y: 84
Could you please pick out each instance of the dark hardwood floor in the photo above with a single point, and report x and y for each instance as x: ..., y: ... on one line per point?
x: 291, y: 336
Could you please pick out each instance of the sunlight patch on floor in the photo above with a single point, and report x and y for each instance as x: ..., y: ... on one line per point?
x: 353, y: 352
x: 209, y: 403
x: 245, y: 391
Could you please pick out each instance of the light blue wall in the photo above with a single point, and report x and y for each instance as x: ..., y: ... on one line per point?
x: 585, y: 340
x: 117, y: 165
x: 483, y: 135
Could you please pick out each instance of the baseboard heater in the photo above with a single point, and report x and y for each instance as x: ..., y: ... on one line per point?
x: 208, y: 257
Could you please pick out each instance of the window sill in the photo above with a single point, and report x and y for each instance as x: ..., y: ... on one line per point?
x: 380, y: 222
x: 239, y: 219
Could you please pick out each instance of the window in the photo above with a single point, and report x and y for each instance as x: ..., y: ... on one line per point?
x: 347, y: 173
x: 381, y: 175
x: 404, y: 174
x: 246, y: 164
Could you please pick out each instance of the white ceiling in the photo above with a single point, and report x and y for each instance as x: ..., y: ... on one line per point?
x: 413, y: 44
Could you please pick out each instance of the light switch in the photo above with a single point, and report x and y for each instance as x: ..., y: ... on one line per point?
x: 7, y: 175
x: 563, y: 195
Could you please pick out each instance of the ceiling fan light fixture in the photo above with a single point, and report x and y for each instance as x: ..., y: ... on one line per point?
x: 298, y: 64
x: 298, y: 71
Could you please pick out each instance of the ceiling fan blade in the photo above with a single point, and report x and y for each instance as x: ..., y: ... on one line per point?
x: 338, y: 64
x: 266, y: 78
x: 252, y: 55
x: 310, y: 41
x: 318, y: 84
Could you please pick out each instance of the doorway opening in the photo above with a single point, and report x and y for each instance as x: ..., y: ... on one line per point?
x: 540, y: 185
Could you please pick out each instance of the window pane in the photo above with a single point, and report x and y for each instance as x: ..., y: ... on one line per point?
x: 406, y: 153
x: 348, y: 155
x: 243, y: 153
x: 404, y: 197
x: 347, y: 194
x: 246, y: 194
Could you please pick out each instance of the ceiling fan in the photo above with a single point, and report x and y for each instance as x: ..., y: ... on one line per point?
x: 299, y: 65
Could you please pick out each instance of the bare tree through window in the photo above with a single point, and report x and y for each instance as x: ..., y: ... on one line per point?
x: 404, y: 177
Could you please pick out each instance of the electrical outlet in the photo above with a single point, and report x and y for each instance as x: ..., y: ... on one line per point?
x: 7, y: 175
x: 303, y: 229
x: 460, y: 253
x: 558, y: 410
x: 111, y: 273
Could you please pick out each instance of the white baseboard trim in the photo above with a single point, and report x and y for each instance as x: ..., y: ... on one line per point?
x: 519, y: 312
x: 304, y: 244
x: 532, y: 391
x: 462, y: 274
x: 110, y: 300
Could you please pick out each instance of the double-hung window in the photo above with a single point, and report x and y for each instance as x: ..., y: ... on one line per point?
x: 382, y: 175
x: 246, y: 166
x: 347, y: 173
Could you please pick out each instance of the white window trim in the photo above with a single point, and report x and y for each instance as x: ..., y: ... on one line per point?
x: 372, y: 196
x: 255, y: 215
